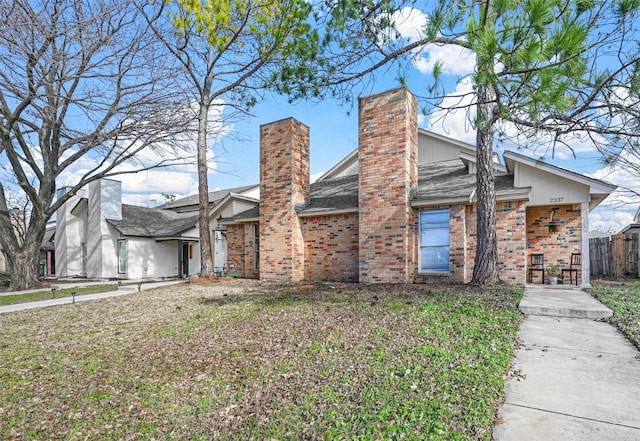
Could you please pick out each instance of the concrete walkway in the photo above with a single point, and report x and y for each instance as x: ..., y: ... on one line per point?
x: 574, y: 378
x: 123, y: 290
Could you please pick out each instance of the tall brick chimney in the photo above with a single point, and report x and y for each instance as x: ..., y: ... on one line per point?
x: 387, y: 156
x: 284, y: 184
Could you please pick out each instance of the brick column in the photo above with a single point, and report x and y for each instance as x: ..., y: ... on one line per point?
x: 387, y: 155
x: 284, y: 184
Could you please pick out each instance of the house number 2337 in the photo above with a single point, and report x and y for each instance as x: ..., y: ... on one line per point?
x: 555, y: 200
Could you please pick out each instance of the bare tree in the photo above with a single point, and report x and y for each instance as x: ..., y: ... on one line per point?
x: 231, y: 53
x: 80, y: 81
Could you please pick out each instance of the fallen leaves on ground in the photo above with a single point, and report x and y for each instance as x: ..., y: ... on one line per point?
x: 240, y: 359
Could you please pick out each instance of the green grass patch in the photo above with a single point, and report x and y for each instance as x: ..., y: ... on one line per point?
x: 624, y: 301
x: 320, y: 362
x: 60, y: 293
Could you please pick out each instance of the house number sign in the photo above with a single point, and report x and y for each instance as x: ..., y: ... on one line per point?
x: 555, y: 200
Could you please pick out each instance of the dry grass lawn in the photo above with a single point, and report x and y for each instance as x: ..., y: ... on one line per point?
x: 237, y: 359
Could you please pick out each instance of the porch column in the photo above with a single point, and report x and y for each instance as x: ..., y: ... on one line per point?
x: 584, y: 217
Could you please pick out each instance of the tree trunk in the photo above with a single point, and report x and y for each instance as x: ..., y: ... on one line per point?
x: 206, y: 254
x: 24, y: 267
x: 24, y: 257
x: 22, y: 250
x: 485, y: 269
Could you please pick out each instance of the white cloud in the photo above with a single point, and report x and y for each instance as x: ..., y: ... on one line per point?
x: 610, y: 220
x: 410, y: 23
x: 314, y: 177
x: 458, y: 112
x: 156, y: 181
x: 617, y: 210
x: 194, y: 188
x: 180, y: 178
x: 454, y: 60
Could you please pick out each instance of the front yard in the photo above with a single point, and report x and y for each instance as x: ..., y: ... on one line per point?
x: 241, y: 360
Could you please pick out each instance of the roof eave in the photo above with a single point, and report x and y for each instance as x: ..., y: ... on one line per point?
x: 182, y: 238
x: 231, y: 221
x: 227, y: 198
x: 519, y: 195
x: 327, y: 212
x: 631, y: 229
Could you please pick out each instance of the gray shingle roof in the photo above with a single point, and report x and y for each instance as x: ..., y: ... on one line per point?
x: 251, y: 213
x: 192, y: 201
x: 332, y: 194
x: 451, y: 180
x: 153, y: 222
x: 436, y: 181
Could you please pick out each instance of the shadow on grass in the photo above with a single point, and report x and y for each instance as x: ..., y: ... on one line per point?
x: 502, y: 297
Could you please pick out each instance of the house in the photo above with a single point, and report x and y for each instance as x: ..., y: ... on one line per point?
x: 97, y: 236
x: 402, y: 207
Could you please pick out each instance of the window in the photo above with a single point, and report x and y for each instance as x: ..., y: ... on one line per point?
x: 122, y: 256
x: 434, y: 241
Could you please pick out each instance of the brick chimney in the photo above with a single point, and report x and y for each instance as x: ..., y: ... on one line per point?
x: 387, y: 156
x: 284, y: 184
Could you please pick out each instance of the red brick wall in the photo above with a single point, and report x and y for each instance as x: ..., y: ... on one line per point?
x: 511, y: 233
x: 471, y: 219
x: 387, y: 154
x: 556, y: 246
x: 458, y: 243
x: 331, y: 248
x: 284, y: 184
x: 512, y: 241
x: 240, y: 251
x: 235, y: 250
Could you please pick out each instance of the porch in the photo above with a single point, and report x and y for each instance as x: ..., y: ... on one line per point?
x: 556, y: 237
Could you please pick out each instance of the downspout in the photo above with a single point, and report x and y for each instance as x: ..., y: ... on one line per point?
x: 472, y: 195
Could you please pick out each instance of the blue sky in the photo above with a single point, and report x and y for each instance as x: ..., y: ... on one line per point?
x: 334, y: 134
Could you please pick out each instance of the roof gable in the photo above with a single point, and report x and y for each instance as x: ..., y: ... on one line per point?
x: 191, y: 203
x: 558, y: 184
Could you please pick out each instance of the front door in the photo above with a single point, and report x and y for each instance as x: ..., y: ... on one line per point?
x: 185, y: 260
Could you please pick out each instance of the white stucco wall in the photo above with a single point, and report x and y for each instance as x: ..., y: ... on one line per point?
x: 148, y: 258
x: 71, y: 233
x: 104, y: 203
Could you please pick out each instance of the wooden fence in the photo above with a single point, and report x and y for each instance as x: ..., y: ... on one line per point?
x: 614, y: 256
